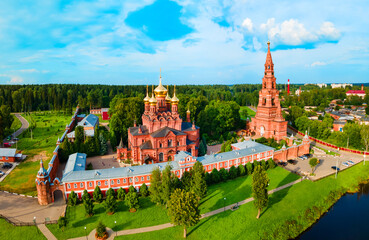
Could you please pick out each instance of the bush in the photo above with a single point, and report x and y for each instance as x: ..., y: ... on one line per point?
x: 100, y: 230
x: 132, y: 189
x: 207, y: 178
x: 215, y: 177
x: 85, y: 195
x: 89, y: 206
x: 110, y: 192
x: 97, y: 195
x: 271, y: 163
x: 110, y: 204
x: 233, y: 172
x: 73, y: 199
x: 132, y: 200
x: 144, y: 191
x: 264, y: 165
x: 249, y: 168
x: 62, y: 222
x: 241, y: 170
x: 121, y: 193
x: 223, y: 174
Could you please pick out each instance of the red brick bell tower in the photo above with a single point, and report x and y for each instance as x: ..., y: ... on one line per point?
x: 268, y: 121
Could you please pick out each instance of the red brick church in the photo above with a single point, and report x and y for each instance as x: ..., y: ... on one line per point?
x: 162, y: 134
x: 268, y: 121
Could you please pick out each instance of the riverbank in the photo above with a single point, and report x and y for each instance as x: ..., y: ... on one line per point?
x: 290, y: 212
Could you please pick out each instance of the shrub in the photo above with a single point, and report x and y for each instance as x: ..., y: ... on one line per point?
x: 89, y: 206
x: 208, y: 178
x: 85, y: 195
x: 132, y: 189
x: 241, y: 170
x: 132, y: 200
x: 224, y: 175
x: 121, y: 193
x: 144, y: 191
x: 249, y: 168
x: 97, y: 195
x: 100, y: 230
x: 73, y: 199
x: 264, y: 165
x: 110, y: 204
x: 233, y: 172
x: 62, y: 222
x: 110, y: 192
x: 215, y: 177
x: 271, y: 163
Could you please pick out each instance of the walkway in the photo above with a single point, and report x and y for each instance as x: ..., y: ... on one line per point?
x: 46, y: 232
x: 168, y: 225
x: 24, y: 126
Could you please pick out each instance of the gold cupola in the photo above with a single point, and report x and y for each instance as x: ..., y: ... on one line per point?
x: 147, y: 98
x: 174, y: 100
x: 160, y: 91
x: 167, y: 98
x: 153, y: 100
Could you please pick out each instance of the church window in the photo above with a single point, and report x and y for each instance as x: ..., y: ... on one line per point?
x: 269, y: 67
x: 161, y: 145
x: 169, y: 143
x: 273, y: 102
x: 264, y: 101
x: 178, y: 143
x: 161, y: 157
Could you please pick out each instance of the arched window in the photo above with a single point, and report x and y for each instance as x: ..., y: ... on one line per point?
x: 264, y: 101
x: 273, y: 102
x: 178, y: 143
x: 161, y: 157
x: 160, y: 145
x: 169, y: 143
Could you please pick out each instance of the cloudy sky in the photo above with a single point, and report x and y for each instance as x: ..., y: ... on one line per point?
x: 194, y: 42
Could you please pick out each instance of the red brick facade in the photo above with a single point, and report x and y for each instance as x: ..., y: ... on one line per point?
x: 268, y: 121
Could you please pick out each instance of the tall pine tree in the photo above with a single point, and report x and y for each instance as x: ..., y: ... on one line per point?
x: 155, y: 186
x: 198, y: 185
x: 167, y: 184
x: 259, y: 188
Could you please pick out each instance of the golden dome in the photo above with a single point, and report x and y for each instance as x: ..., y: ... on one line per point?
x: 175, y: 100
x: 167, y: 98
x: 147, y: 98
x: 160, y: 91
x: 188, y: 110
x: 153, y: 100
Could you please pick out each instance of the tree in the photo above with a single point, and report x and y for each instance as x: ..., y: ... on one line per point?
x: 241, y: 170
x: 259, y: 188
x: 271, y: 163
x: 264, y: 165
x: 155, y: 186
x: 143, y: 190
x: 202, y: 149
x: 221, y: 139
x: 250, y: 168
x: 110, y: 204
x: 73, y: 199
x: 121, y: 194
x: 85, y: 195
x: 132, y: 201
x: 110, y: 192
x: 364, y: 132
x: 198, y: 184
x: 132, y: 189
x: 232, y: 172
x: 100, y: 230
x: 62, y: 222
x: 215, y: 177
x: 183, y: 209
x: 223, y: 174
x: 186, y: 181
x: 89, y: 206
x: 313, y: 162
x: 79, y: 134
x: 97, y: 195
x: 167, y: 184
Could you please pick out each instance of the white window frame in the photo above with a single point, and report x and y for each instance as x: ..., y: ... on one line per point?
x: 124, y: 180
x: 68, y: 186
x: 112, y: 182
x: 81, y: 184
x: 118, y: 181
x: 99, y: 183
x: 75, y: 186
x: 90, y: 184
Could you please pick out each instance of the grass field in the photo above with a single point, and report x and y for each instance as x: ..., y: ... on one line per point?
x: 149, y: 214
x: 49, y: 126
x: 249, y: 112
x: 286, y: 204
x: 8, y: 231
x: 15, y: 126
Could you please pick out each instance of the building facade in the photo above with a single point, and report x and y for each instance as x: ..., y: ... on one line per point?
x: 162, y: 134
x: 268, y: 121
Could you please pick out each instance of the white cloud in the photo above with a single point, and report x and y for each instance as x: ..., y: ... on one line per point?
x: 28, y: 70
x: 318, y: 63
x: 257, y: 44
x: 13, y: 79
x: 247, y: 23
x: 328, y: 30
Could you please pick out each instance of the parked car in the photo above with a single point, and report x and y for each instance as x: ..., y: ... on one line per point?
x: 345, y: 164
x: 283, y: 164
x: 335, y: 168
x: 7, y: 165
x: 350, y: 162
x: 7, y: 145
x: 1, y: 173
x: 308, y: 155
x: 293, y: 162
x: 16, y: 139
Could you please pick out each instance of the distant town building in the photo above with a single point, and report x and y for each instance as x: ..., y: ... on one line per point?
x: 9, y: 155
x: 101, y: 111
x: 89, y: 124
x: 318, y: 84
x: 268, y: 121
x: 359, y: 93
x: 341, y: 85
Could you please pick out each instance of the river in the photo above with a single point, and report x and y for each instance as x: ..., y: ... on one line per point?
x: 348, y: 218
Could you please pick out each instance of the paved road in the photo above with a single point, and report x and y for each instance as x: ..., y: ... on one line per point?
x: 23, y: 209
x: 24, y: 126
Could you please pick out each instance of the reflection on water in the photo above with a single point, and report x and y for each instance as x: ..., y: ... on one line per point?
x: 347, y: 219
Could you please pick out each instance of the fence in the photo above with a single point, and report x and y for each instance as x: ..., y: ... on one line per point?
x: 18, y: 223
x: 329, y: 144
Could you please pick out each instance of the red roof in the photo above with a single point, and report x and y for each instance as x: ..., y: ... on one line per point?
x: 356, y: 92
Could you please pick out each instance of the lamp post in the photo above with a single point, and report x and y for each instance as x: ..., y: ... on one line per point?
x: 86, y: 233
x: 116, y: 232
x: 224, y: 204
x: 34, y: 221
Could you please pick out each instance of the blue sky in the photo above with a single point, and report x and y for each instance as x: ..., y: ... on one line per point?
x: 212, y: 42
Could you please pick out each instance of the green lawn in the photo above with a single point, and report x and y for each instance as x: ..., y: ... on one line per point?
x: 49, y: 126
x: 250, y: 112
x: 287, y: 204
x: 8, y: 231
x: 149, y: 214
